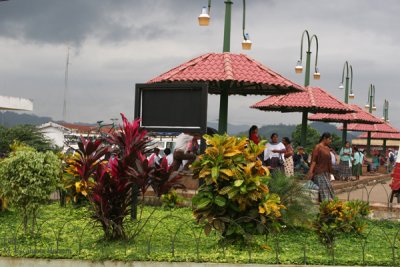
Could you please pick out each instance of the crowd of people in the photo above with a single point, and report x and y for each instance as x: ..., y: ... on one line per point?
x: 321, y: 167
x: 186, y: 148
x: 324, y: 164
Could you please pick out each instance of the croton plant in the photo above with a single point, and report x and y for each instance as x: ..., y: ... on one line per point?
x: 234, y: 198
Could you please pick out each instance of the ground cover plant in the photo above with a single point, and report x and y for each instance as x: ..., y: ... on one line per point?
x: 173, y: 235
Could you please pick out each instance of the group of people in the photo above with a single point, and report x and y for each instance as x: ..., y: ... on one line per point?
x: 186, y: 147
x: 278, y: 156
x: 322, y: 167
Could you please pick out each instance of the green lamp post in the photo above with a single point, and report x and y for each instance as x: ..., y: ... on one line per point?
x: 386, y: 119
x: 299, y: 69
x: 204, y: 20
x: 349, y: 80
x: 370, y: 106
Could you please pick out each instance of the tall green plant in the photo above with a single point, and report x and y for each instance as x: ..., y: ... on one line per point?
x: 27, y: 178
x: 234, y: 199
x: 300, y: 211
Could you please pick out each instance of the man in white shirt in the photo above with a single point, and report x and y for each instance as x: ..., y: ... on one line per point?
x: 185, y: 148
x: 154, y: 159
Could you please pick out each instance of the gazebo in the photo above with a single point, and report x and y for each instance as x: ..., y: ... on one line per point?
x: 313, y: 99
x: 229, y: 74
x: 384, y: 127
x: 359, y: 116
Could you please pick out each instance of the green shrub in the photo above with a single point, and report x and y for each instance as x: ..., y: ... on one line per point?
x: 300, y: 210
x: 234, y: 199
x: 27, y: 178
x: 336, y: 217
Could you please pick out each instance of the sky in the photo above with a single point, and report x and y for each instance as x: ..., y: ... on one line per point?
x: 115, y: 44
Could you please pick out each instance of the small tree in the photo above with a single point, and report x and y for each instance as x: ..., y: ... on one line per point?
x: 27, y: 134
x: 27, y: 178
x: 312, y: 137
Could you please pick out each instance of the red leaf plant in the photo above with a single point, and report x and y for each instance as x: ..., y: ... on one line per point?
x: 127, y: 167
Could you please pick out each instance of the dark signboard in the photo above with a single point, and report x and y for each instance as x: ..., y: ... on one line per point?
x: 169, y: 107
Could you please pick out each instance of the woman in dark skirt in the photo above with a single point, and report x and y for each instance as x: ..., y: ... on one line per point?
x: 321, y: 167
x: 345, y: 164
x: 357, y: 164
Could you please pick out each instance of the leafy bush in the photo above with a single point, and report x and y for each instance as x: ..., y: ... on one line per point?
x: 27, y: 134
x: 336, y: 217
x: 234, y: 199
x: 27, y: 178
x: 109, y: 173
x: 171, y: 199
x: 300, y: 211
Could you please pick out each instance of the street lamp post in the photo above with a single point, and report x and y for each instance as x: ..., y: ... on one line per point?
x: 349, y: 79
x: 386, y: 119
x: 371, y: 107
x: 299, y: 69
x: 204, y: 19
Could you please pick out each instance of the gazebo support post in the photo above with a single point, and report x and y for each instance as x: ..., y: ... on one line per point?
x: 303, y: 128
x: 223, y: 103
x: 303, y: 137
x: 304, y: 119
x: 369, y: 144
x: 344, y: 133
x: 384, y: 147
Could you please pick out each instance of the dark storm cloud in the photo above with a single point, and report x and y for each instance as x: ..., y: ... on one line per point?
x: 73, y: 21
x: 117, y: 43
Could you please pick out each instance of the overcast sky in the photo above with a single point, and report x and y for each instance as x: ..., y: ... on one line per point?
x: 115, y: 44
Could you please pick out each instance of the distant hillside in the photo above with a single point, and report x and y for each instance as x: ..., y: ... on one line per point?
x: 10, y: 119
x: 232, y: 129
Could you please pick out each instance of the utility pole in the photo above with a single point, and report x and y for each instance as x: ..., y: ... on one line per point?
x: 64, y: 115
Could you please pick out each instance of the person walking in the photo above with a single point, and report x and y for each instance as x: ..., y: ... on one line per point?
x: 357, y: 164
x: 345, y: 163
x: 321, y: 167
x: 288, y: 155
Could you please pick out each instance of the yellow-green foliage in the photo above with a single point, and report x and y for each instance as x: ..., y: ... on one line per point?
x: 234, y: 198
x: 336, y: 216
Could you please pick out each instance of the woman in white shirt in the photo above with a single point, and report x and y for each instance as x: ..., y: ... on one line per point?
x: 273, y: 154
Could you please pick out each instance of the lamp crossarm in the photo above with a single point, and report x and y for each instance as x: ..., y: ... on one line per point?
x: 351, y: 79
x: 301, y: 44
x: 345, y: 68
x: 316, y: 54
x: 244, y: 19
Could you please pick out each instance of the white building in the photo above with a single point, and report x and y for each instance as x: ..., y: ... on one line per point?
x: 55, y: 133
x: 66, y: 135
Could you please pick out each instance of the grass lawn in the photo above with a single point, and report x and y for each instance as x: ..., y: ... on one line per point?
x: 174, y: 236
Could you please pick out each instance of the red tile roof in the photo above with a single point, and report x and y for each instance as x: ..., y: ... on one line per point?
x: 360, y: 116
x: 247, y: 76
x: 313, y: 99
x: 84, y: 129
x: 383, y: 128
x: 391, y: 136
